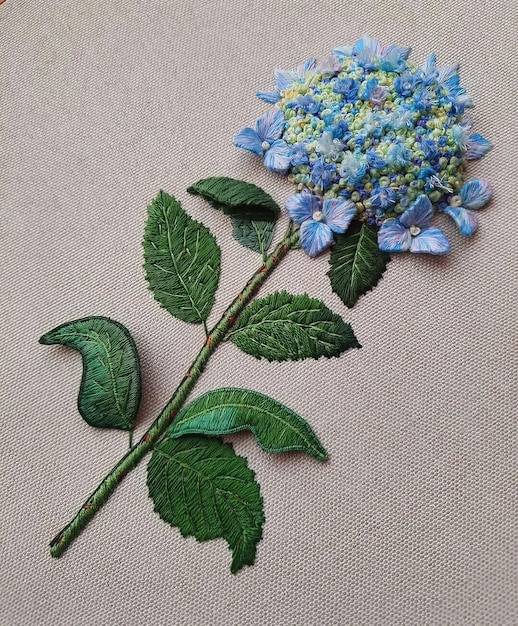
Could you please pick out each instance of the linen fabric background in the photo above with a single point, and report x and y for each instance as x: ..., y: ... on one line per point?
x: 412, y: 521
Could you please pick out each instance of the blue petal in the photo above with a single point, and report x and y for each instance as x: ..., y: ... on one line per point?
x: 269, y: 125
x: 284, y: 78
x: 301, y: 206
x: 466, y: 221
x: 315, y: 237
x: 268, y: 96
x: 393, y: 57
x: 342, y: 52
x: 308, y: 65
x: 248, y: 139
x: 366, y: 52
x: 429, y: 68
x: 475, y: 193
x: 338, y: 214
x: 431, y: 240
x: 419, y: 213
x: 393, y: 236
x: 278, y: 157
x: 477, y: 146
x: 448, y: 76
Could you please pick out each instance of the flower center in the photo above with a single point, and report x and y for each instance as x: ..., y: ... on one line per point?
x: 265, y: 145
x: 318, y: 216
x: 414, y: 230
x: 455, y: 201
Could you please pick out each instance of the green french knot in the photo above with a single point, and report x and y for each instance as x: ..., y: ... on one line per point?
x: 182, y: 260
x: 199, y: 485
x: 237, y: 198
x: 253, y: 234
x: 356, y: 263
x: 109, y: 394
x: 275, y: 427
x: 283, y: 326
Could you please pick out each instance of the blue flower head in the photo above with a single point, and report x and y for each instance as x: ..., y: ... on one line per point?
x: 319, y: 219
x: 264, y: 140
x: 412, y: 231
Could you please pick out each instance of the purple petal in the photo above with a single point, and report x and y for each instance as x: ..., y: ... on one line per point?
x: 301, y: 206
x: 278, y: 157
x: 466, y: 221
x: 247, y: 138
x: 419, y: 213
x: 393, y: 236
x: 475, y: 193
x: 269, y: 125
x: 315, y: 237
x: 338, y: 214
x: 431, y: 240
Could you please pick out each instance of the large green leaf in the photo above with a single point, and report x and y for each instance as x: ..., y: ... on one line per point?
x: 182, y: 260
x: 356, y: 262
x: 253, y: 234
x: 222, y: 411
x: 283, y: 326
x: 109, y: 394
x: 201, y: 486
x: 237, y: 198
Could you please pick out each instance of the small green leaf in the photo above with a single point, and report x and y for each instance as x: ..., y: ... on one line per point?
x: 253, y: 234
x: 237, y: 198
x: 201, y: 486
x: 356, y: 262
x: 275, y: 427
x: 182, y: 260
x: 283, y: 326
x: 109, y: 394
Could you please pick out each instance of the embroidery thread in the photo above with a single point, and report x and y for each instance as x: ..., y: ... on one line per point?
x: 376, y: 148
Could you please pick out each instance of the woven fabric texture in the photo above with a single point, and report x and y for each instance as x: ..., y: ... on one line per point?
x: 412, y: 521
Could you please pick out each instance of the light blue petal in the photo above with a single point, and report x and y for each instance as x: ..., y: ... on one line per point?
x: 430, y: 240
x: 284, y: 78
x: 448, y: 76
x: 477, y: 146
x: 366, y: 51
x: 268, y: 96
x: 466, y: 221
x: 338, y: 214
x: 269, y: 125
x: 429, y: 67
x: 393, y: 57
x: 393, y: 236
x: 315, y: 237
x: 308, y: 65
x: 301, y: 206
x: 278, y: 157
x: 475, y: 193
x: 248, y: 139
x: 419, y: 213
x: 342, y: 52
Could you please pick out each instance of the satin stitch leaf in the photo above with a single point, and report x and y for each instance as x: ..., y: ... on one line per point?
x: 275, y: 427
x: 182, y: 260
x: 199, y: 485
x: 356, y: 263
x: 109, y: 394
x: 283, y: 326
x: 253, y: 234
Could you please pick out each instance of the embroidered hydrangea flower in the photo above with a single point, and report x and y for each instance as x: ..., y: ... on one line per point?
x: 412, y: 231
x: 319, y: 219
x: 473, y: 195
x: 365, y: 125
x: 264, y: 140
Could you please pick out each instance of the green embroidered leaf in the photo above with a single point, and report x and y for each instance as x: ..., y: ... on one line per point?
x: 356, y: 262
x: 109, y: 394
x: 237, y: 198
x: 283, y: 326
x: 201, y: 486
x: 275, y: 427
x: 253, y: 234
x: 182, y: 260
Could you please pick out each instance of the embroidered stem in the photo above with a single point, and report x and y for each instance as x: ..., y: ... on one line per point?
x: 158, y: 428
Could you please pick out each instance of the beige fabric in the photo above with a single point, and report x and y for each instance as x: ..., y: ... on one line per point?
x: 413, y: 520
